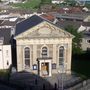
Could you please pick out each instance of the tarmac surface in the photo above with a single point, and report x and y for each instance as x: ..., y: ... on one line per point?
x: 58, y: 81
x: 30, y: 81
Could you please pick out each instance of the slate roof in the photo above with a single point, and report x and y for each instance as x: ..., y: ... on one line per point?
x: 28, y: 23
x: 1, y: 21
x: 20, y: 11
x: 86, y: 34
x: 10, y: 23
x: 65, y: 23
x: 6, y: 33
x: 73, y: 16
x: 86, y: 24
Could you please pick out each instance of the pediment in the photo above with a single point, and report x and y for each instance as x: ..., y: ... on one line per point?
x: 44, y: 30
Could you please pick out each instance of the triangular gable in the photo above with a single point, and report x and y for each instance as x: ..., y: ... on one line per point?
x: 45, y: 30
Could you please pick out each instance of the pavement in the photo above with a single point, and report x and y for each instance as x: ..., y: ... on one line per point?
x: 30, y: 81
x: 36, y: 82
x: 86, y: 85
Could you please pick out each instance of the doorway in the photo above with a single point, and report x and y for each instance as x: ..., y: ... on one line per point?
x: 44, y: 67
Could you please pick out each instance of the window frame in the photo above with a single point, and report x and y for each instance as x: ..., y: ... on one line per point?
x: 47, y: 53
x: 88, y: 41
x: 62, y: 55
x: 28, y: 59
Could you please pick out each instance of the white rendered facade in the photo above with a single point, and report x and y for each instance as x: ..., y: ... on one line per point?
x: 5, y: 56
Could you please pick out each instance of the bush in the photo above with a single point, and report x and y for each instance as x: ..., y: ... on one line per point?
x: 4, y: 73
x: 45, y: 1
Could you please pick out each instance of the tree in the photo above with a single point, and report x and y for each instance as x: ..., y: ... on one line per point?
x: 45, y: 1
x: 71, y: 2
x: 76, y: 44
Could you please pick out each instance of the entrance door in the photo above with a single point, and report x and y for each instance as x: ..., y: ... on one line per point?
x: 45, y: 69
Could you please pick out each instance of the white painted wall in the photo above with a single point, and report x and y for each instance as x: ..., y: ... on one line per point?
x: 5, y: 56
x: 55, y: 2
x: 1, y: 57
x: 13, y: 1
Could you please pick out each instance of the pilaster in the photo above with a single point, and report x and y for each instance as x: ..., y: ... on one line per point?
x: 54, y: 53
x: 34, y: 54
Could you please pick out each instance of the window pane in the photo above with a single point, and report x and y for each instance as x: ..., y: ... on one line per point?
x: 44, y: 52
x: 61, y: 61
x: 27, y: 62
x: 61, y: 55
x: 27, y: 57
x: 27, y: 54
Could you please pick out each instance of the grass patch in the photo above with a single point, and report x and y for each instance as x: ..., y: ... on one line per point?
x: 4, y: 73
x: 33, y: 4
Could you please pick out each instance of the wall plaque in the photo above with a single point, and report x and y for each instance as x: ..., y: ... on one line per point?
x: 54, y: 66
x: 34, y: 67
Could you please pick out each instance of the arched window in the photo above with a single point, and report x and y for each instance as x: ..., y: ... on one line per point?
x: 61, y: 55
x: 27, y: 57
x: 44, y: 52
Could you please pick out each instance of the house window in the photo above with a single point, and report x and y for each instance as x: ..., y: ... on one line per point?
x: 88, y: 41
x: 27, y: 57
x: 88, y: 49
x: 44, y: 52
x: 61, y: 55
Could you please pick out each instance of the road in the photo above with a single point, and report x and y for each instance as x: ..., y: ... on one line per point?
x: 5, y: 87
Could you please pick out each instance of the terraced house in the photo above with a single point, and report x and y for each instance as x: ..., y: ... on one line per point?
x: 42, y: 47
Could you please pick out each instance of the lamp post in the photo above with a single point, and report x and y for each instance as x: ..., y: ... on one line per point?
x: 61, y: 71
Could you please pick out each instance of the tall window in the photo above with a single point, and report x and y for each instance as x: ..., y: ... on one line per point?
x: 44, y: 52
x: 27, y: 57
x: 61, y: 55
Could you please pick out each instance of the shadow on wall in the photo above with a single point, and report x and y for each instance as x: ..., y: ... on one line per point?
x: 29, y: 81
x: 13, y: 50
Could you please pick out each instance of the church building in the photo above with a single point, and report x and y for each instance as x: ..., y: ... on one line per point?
x: 42, y: 47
